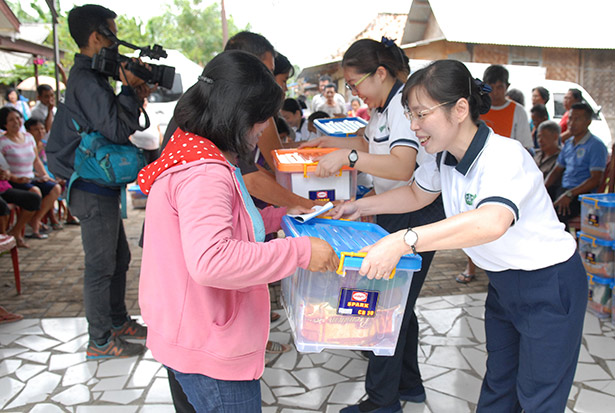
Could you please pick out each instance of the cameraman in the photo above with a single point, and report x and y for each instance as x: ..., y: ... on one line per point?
x: 92, y: 103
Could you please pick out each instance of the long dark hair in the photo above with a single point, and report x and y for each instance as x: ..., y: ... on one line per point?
x: 449, y: 81
x: 234, y: 92
x: 366, y: 55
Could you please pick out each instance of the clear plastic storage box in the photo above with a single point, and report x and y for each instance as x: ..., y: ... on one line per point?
x: 598, y: 215
x: 294, y: 170
x: 600, y: 295
x: 598, y: 255
x: 347, y: 311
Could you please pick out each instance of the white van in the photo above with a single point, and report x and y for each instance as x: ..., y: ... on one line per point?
x: 161, y: 103
x: 555, y: 107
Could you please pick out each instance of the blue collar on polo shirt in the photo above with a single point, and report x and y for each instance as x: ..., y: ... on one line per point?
x: 475, y: 148
x: 392, y: 93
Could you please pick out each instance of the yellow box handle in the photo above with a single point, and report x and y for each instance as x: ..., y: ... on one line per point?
x: 593, y: 199
x: 307, y: 165
x: 593, y: 239
x: 344, y: 254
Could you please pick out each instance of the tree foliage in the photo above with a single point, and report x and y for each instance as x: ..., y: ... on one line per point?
x: 21, y: 72
x: 190, y: 26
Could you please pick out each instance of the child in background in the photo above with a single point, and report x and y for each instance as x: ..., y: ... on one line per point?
x: 357, y: 111
x: 36, y: 128
x: 311, y: 127
x: 292, y: 113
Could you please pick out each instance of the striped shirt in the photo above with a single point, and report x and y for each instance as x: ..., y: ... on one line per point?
x: 19, y: 156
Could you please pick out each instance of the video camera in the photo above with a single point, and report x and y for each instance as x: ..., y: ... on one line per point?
x: 109, y: 61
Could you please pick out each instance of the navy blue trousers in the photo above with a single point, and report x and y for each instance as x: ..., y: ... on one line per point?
x: 534, y: 326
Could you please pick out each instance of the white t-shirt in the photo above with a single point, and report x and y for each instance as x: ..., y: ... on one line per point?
x: 331, y: 110
x: 40, y: 111
x: 320, y: 99
x: 387, y: 128
x: 499, y: 170
x: 302, y: 133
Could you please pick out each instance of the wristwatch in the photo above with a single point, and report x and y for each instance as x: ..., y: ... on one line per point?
x: 568, y: 193
x: 353, y: 157
x: 411, y: 238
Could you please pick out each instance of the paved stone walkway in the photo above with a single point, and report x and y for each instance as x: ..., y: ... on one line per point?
x: 52, y: 270
x: 43, y: 366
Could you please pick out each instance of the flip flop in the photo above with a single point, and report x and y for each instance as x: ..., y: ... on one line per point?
x: 274, y: 316
x: 7, y: 317
x: 35, y: 235
x: 57, y: 226
x: 74, y: 221
x: 464, y: 278
x: 274, y: 347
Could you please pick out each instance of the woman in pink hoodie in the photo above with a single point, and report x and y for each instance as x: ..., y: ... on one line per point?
x: 203, y: 288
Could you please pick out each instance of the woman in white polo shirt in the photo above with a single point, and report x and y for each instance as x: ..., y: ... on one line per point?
x: 499, y: 212
x: 389, y: 151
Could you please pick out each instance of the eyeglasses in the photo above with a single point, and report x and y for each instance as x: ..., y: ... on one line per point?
x: 353, y: 88
x: 420, y: 115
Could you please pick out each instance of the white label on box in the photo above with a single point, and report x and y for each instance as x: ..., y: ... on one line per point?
x: 340, y: 184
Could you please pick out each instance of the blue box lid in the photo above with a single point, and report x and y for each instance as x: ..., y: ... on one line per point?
x: 600, y: 280
x: 341, y: 127
x: 346, y: 237
x: 596, y: 241
x: 598, y: 200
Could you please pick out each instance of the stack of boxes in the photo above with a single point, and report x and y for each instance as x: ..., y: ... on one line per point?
x: 597, y: 248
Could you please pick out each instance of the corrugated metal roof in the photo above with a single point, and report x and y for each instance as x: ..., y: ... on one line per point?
x: 586, y: 24
x: 390, y: 25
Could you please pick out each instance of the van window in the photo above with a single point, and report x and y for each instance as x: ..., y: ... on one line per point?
x: 168, y: 95
x: 558, y: 102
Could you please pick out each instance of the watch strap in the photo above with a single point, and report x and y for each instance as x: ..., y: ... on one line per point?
x: 351, y: 162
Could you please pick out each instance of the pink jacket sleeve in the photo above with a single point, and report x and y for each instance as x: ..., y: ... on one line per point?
x: 214, y: 256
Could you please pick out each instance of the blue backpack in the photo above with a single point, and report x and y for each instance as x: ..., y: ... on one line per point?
x: 99, y: 160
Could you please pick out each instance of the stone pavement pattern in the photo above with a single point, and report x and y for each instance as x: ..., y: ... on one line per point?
x: 43, y: 368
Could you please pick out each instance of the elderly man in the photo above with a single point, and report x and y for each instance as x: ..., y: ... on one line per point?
x: 580, y: 164
x: 317, y: 100
x: 546, y: 156
x: 538, y: 114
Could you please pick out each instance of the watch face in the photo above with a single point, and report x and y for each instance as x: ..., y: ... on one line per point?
x: 410, y: 238
x: 353, y: 156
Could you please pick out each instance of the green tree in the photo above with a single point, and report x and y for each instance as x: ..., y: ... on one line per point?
x: 189, y: 26
x: 21, y: 72
x: 192, y: 28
